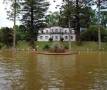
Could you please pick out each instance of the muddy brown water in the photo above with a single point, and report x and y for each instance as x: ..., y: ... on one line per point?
x: 24, y: 70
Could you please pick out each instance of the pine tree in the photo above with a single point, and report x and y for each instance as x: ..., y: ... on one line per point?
x: 77, y: 14
x: 33, y: 12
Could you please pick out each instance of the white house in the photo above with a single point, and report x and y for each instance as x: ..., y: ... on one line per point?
x: 56, y: 33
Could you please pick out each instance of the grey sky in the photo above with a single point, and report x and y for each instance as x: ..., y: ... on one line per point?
x: 3, y: 16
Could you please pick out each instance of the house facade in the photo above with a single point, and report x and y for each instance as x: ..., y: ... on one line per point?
x: 56, y: 33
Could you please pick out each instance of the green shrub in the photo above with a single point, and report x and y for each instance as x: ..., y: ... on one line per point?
x: 61, y: 39
x: 66, y: 47
x: 46, y: 47
x: 79, y: 43
x: 1, y: 45
x: 50, y: 39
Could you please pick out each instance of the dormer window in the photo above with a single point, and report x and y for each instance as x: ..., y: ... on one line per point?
x: 46, y: 31
x: 65, y: 31
x: 52, y: 30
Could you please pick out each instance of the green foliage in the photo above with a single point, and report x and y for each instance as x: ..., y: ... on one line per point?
x: 66, y: 47
x: 1, y: 45
x: 21, y: 32
x: 69, y: 12
x: 85, y: 45
x: 76, y: 14
x: 104, y: 19
x: 61, y: 39
x: 50, y: 39
x: 46, y: 47
x: 92, y: 34
x: 7, y: 36
x: 32, y: 17
x: 52, y: 19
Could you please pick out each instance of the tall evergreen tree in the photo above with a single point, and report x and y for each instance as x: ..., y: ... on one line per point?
x: 77, y: 14
x: 33, y: 17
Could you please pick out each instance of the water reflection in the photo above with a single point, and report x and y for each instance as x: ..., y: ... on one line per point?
x: 10, y: 72
x: 53, y: 68
x: 28, y: 71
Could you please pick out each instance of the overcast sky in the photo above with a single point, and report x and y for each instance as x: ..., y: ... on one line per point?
x: 3, y: 16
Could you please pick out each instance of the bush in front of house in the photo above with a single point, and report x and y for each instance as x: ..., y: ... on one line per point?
x: 50, y: 39
x: 66, y: 47
x: 1, y: 45
x: 61, y: 39
x: 46, y: 47
x: 56, y: 47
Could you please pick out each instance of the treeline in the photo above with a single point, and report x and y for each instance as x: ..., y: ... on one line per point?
x: 6, y: 35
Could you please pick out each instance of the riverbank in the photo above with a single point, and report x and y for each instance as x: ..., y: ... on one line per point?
x: 84, y: 46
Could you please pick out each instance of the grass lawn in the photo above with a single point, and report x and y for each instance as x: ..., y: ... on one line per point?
x: 82, y: 47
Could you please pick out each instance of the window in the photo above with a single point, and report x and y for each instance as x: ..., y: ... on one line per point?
x: 71, y: 37
x: 52, y: 30
x: 41, y: 37
x: 60, y: 30
x: 56, y: 37
x: 66, y: 37
x: 46, y: 37
x: 65, y: 31
x: 46, y: 31
x: 52, y: 37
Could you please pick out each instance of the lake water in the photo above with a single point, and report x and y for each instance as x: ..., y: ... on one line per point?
x: 27, y: 71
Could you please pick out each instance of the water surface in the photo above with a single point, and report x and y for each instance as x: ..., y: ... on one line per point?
x: 24, y: 70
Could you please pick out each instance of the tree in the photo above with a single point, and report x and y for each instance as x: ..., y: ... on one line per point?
x: 77, y: 13
x: 21, y: 33
x: 12, y: 15
x: 13, y: 9
x: 52, y: 19
x: 104, y: 19
x: 7, y: 36
x: 33, y: 17
x: 92, y: 34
